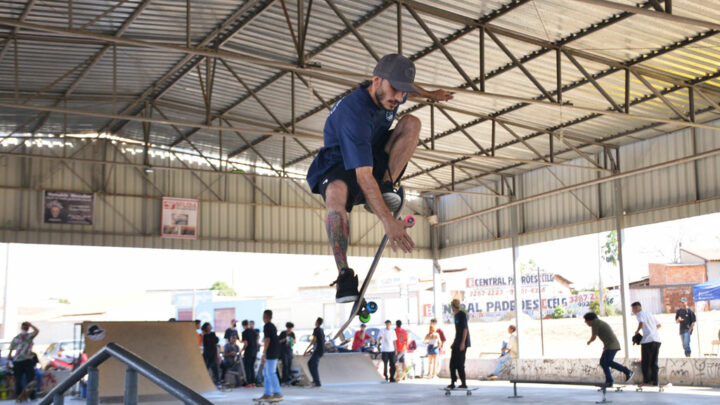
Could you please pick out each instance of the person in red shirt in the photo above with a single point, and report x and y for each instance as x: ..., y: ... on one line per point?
x: 402, y: 346
x: 433, y: 323
x: 360, y: 338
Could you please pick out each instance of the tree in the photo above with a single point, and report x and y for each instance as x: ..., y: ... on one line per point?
x: 223, y: 289
x: 610, y: 249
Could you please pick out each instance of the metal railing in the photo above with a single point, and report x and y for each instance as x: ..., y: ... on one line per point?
x: 135, y: 365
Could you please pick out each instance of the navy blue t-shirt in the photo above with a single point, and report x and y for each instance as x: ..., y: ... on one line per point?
x: 355, y: 128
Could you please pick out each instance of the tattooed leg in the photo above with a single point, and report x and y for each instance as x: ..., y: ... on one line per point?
x: 338, y: 235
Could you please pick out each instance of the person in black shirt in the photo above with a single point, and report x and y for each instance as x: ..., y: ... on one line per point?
x: 271, y: 353
x: 686, y: 318
x: 232, y: 330
x: 318, y: 346
x: 459, y: 346
x: 250, y: 349
x: 287, y: 341
x: 210, y: 351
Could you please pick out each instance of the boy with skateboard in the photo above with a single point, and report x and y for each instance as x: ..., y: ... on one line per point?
x: 649, y: 344
x: 600, y: 329
x: 271, y: 353
x: 362, y: 160
x: 459, y: 346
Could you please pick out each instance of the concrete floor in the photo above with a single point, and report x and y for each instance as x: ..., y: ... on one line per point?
x: 430, y: 392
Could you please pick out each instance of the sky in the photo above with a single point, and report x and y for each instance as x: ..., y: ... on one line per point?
x: 82, y: 272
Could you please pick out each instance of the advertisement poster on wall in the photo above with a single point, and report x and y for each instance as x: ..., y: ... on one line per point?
x: 492, y: 298
x: 179, y: 218
x: 62, y: 207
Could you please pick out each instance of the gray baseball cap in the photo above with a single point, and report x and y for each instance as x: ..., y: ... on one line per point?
x: 398, y: 70
x: 683, y: 299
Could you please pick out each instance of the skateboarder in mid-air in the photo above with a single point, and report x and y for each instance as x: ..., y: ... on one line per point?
x: 363, y: 159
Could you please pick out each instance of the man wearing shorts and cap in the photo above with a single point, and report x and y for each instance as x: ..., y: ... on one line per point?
x: 362, y: 159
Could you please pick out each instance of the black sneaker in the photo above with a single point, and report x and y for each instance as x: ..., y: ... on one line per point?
x: 450, y: 387
x: 629, y: 376
x: 391, y: 197
x: 346, y: 286
x: 462, y: 386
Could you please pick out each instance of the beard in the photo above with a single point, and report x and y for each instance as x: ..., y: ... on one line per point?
x: 388, y: 105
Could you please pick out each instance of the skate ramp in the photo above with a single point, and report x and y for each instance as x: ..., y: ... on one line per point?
x: 341, y: 368
x: 170, y: 346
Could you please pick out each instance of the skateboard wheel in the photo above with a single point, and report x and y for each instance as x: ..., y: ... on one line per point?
x: 372, y: 307
x: 364, y: 316
x: 409, y: 221
x: 469, y: 393
x: 447, y: 393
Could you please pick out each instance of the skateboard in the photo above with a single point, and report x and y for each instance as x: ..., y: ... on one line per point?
x: 615, y: 387
x: 661, y: 387
x: 468, y: 391
x: 266, y: 401
x: 361, y: 308
x: 25, y: 394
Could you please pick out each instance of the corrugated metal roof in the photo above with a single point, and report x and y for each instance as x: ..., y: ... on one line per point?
x: 47, y: 68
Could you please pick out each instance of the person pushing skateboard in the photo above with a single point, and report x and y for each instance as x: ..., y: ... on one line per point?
x: 362, y: 160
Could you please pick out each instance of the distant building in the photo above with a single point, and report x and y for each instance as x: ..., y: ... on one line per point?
x: 708, y: 257
x: 662, y: 289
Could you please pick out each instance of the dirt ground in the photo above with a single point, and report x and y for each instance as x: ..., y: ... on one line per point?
x: 567, y: 338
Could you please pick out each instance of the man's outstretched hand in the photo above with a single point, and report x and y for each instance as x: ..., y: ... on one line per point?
x: 439, y: 95
x: 398, y: 236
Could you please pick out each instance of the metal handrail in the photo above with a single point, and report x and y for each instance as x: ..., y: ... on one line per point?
x: 135, y: 366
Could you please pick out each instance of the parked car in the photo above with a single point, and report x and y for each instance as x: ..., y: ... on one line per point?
x: 63, y: 355
x: 4, y: 350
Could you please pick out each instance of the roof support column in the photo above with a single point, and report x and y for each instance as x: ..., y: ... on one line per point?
x: 435, y: 251
x: 619, y: 226
x: 515, y: 249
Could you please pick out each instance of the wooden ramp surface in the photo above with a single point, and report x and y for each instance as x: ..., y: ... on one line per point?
x: 342, y: 368
x: 170, y: 346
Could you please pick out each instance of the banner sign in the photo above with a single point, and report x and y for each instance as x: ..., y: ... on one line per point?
x: 179, y: 218
x: 60, y: 207
x: 493, y: 298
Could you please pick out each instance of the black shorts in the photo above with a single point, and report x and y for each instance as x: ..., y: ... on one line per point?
x: 355, y: 196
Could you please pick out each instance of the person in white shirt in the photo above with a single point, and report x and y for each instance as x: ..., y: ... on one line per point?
x: 509, y: 351
x: 387, y: 339
x: 650, y: 344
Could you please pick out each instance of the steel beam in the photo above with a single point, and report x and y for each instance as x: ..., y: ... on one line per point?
x: 188, y: 62
x: 352, y: 29
x: 442, y: 48
x: 618, y: 176
x: 673, y: 18
x: 594, y: 82
x: 13, y: 34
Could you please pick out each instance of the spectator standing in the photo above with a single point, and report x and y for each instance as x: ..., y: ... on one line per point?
x: 231, y: 331
x: 210, y: 351
x: 23, y: 364
x: 459, y: 345
x: 432, y: 340
x: 287, y: 342
x: 318, y: 345
x: 649, y: 344
x: 250, y: 349
x: 402, y: 346
x: 271, y: 353
x: 360, y: 338
x: 686, y: 319
x: 600, y: 329
x: 508, y: 351
x: 199, y: 332
x: 443, y: 339
x: 388, y: 340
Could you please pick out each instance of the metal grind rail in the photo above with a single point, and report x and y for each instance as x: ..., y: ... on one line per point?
x: 135, y: 365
